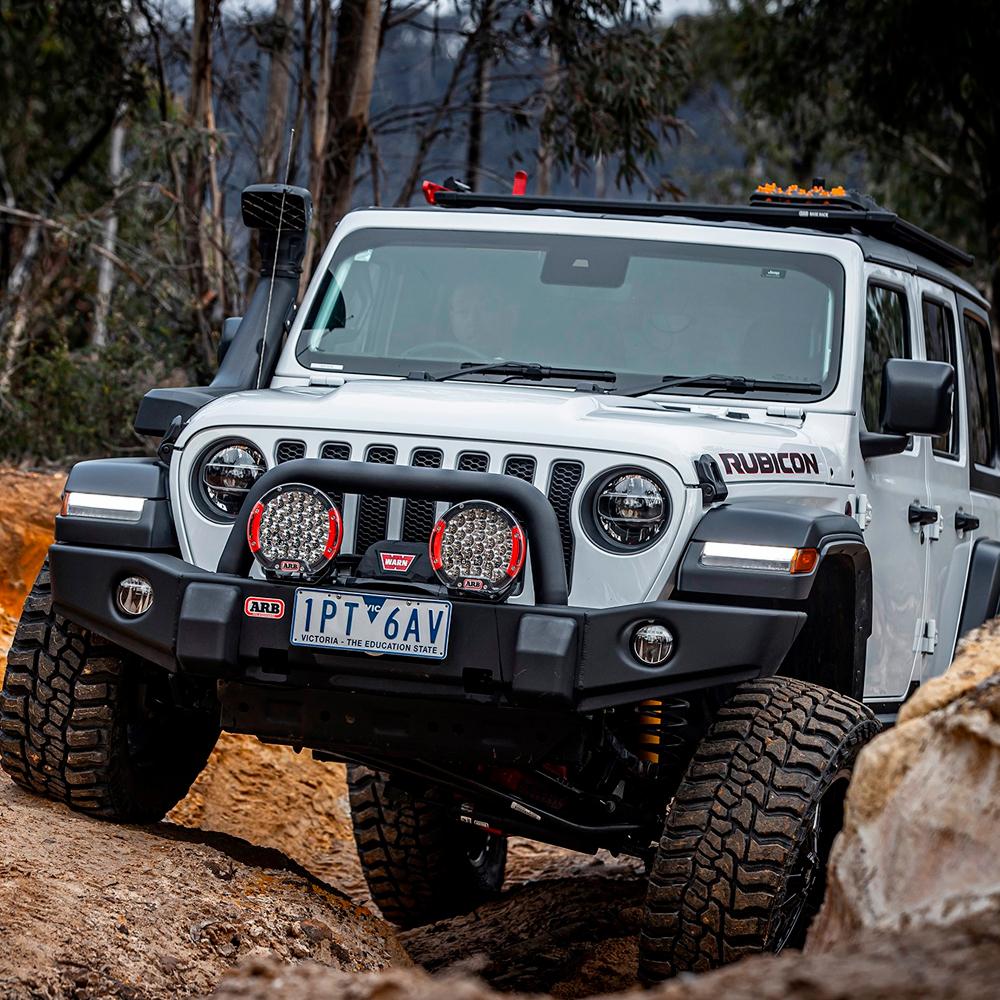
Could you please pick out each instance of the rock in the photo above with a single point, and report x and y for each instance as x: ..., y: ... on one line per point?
x: 921, y: 841
x: 959, y: 962
x: 89, y: 909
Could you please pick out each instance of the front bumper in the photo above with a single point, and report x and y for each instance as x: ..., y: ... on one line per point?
x: 509, y: 655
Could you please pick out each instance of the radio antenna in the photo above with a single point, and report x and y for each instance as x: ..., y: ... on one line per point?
x: 274, y: 263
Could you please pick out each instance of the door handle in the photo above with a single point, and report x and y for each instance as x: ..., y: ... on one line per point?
x: 965, y: 522
x: 918, y: 514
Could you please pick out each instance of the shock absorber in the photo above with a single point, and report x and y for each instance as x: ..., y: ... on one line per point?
x: 662, y: 728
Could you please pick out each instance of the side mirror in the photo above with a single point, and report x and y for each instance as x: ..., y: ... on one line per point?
x: 230, y: 326
x: 916, y: 399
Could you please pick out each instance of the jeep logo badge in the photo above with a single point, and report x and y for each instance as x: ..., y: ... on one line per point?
x: 396, y: 562
x: 264, y: 607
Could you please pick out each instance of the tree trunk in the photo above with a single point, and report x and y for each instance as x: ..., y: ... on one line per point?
x: 479, y: 95
x: 196, y: 169
x: 353, y: 77
x: 109, y: 239
x: 14, y: 309
x: 272, y: 141
x: 545, y: 153
x: 319, y: 123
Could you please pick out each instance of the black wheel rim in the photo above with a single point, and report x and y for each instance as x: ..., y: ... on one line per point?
x: 805, y: 884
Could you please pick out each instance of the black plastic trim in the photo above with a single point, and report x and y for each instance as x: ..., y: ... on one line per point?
x: 763, y: 523
x: 982, y: 588
x: 159, y: 406
x: 125, y: 477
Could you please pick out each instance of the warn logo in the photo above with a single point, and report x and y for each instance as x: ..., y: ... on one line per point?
x: 396, y: 562
x: 264, y: 607
x: 768, y: 463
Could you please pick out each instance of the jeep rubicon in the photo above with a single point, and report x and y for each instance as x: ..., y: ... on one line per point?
x: 609, y: 525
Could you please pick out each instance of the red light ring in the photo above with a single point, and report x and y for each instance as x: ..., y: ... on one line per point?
x: 517, y: 550
x: 279, y: 566
x: 253, y: 527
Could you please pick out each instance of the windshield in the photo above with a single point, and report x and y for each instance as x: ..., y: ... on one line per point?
x: 397, y: 301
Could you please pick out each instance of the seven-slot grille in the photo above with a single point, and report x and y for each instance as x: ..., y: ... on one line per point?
x: 288, y: 451
x: 372, y: 516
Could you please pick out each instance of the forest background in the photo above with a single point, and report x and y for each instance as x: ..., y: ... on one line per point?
x: 128, y: 128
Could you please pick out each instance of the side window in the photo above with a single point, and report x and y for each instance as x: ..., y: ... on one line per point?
x: 980, y: 382
x: 939, y: 338
x: 887, y: 335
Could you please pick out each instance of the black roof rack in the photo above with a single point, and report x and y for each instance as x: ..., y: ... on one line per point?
x: 852, y: 213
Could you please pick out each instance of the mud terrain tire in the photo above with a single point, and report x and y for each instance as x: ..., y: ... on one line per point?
x: 419, y: 863
x: 741, y: 865
x: 79, y: 725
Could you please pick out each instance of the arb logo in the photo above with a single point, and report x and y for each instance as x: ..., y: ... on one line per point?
x: 473, y: 583
x: 289, y: 566
x: 263, y: 607
x: 396, y: 562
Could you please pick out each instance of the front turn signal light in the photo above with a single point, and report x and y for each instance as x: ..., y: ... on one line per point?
x: 769, y: 558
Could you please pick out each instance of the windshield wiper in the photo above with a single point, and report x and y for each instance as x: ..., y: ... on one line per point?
x: 524, y: 369
x: 725, y: 383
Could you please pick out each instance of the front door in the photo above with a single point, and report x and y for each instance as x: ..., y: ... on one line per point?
x: 887, y: 486
x: 950, y: 538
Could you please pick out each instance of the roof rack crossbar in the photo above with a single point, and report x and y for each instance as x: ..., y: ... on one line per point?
x: 876, y: 222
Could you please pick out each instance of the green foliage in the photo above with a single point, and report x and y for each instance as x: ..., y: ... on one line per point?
x: 617, y: 97
x: 910, y: 87
x: 72, y: 405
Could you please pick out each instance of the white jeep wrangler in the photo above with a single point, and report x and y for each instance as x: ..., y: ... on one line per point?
x: 611, y: 525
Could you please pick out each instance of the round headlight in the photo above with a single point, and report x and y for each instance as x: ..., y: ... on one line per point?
x: 477, y: 547
x: 226, y: 475
x: 294, y: 530
x: 630, y: 509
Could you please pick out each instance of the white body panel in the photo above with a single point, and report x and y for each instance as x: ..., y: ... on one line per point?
x: 664, y: 434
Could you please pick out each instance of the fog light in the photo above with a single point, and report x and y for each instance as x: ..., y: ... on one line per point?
x: 652, y: 644
x: 135, y: 595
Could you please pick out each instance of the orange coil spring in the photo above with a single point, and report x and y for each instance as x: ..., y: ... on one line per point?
x: 661, y: 727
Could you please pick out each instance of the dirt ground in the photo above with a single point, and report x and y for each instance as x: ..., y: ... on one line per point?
x: 28, y: 503
x: 253, y: 885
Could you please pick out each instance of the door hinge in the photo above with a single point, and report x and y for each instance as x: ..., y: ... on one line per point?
x: 861, y: 510
x: 927, y: 636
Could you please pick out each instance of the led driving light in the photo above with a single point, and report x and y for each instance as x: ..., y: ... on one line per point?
x: 105, y: 507
x: 652, y: 643
x: 134, y: 596
x: 770, y: 558
x: 294, y: 531
x: 477, y: 547
x: 226, y: 475
x: 629, y: 509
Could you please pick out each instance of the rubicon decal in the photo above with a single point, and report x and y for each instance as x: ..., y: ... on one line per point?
x: 264, y: 607
x: 769, y: 463
x: 396, y: 562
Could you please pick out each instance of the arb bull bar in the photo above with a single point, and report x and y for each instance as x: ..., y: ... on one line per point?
x: 506, y: 663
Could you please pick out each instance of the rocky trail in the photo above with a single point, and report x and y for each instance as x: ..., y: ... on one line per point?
x: 252, y: 888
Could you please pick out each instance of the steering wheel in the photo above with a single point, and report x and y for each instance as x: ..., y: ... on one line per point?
x: 448, y: 348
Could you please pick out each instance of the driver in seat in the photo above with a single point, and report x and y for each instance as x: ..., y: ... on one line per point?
x: 482, y: 319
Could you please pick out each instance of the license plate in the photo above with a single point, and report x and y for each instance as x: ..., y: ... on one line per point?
x: 371, y: 623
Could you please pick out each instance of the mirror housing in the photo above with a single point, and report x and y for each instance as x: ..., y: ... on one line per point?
x: 230, y: 327
x: 916, y: 400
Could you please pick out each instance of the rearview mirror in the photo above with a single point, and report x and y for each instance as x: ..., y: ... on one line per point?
x: 916, y: 399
